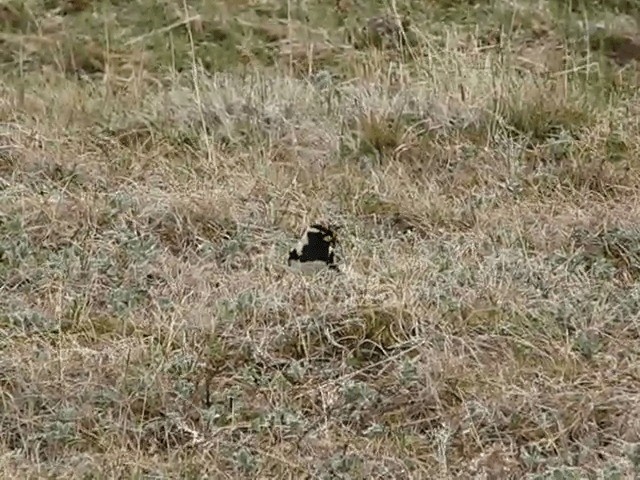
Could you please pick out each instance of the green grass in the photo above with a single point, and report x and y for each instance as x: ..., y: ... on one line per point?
x: 159, y: 159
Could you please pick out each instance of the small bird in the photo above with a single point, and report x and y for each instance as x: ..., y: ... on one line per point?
x: 314, y: 251
x: 387, y: 30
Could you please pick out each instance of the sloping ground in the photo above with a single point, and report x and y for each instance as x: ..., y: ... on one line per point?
x: 483, y: 166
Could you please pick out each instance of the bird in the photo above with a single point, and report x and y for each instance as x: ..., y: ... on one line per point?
x: 315, y: 250
x: 387, y: 29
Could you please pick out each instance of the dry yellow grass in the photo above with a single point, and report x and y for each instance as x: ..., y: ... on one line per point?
x: 488, y: 319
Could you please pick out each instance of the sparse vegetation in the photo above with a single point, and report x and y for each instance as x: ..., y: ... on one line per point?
x: 159, y: 159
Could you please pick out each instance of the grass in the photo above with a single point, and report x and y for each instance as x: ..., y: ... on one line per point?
x: 159, y: 159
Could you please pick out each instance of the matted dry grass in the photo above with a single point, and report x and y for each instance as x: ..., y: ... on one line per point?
x: 487, y: 321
